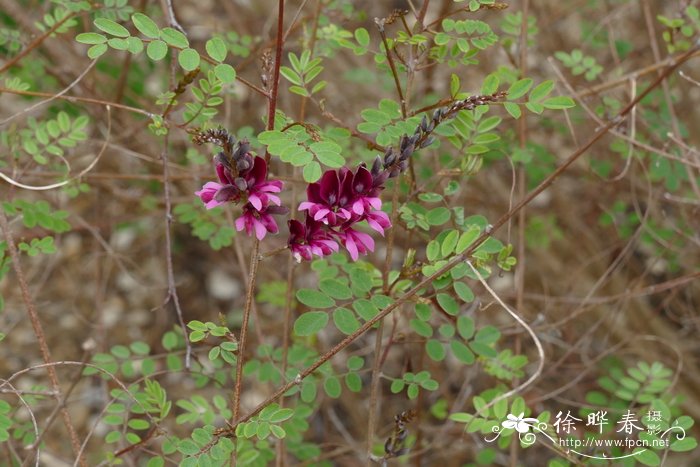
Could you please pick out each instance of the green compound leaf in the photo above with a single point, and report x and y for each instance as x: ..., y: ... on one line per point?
x: 225, y: 72
x: 111, y: 27
x: 216, y: 48
x: 145, y: 25
x: 188, y: 59
x: 310, y: 323
x: 157, y: 50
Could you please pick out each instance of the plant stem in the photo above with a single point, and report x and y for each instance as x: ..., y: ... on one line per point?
x: 255, y: 256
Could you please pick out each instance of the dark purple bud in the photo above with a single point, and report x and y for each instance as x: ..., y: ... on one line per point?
x: 376, y: 165
x: 242, y: 165
x: 394, y: 172
x: 406, y: 153
x: 429, y: 140
x: 424, y: 123
x: 379, y: 179
x: 437, y: 115
x: 221, y: 158
x: 389, y: 160
x: 403, y: 165
x: 241, y: 184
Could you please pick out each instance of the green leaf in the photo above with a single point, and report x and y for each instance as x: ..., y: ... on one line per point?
x: 465, y: 327
x: 558, y: 102
x: 336, y: 289
x: 519, y: 88
x: 332, y: 387
x: 421, y: 327
x: 490, y: 84
x: 135, y: 45
x: 111, y: 27
x: 362, y: 37
x: 683, y: 445
x: 435, y: 350
x: 216, y: 48
x: 145, y: 25
x: 118, y: 44
x: 438, y: 216
x: 314, y: 298
x: 366, y: 309
x: 174, y: 37
x: 91, y: 38
x: 448, y: 303
x: 462, y: 352
x: 464, y: 292
x: 449, y: 243
x: 312, y: 172
x: 345, y: 321
x: 225, y: 72
x: 541, y: 91
x: 310, y: 323
x: 487, y: 335
x: 467, y: 238
x: 188, y: 59
x: 157, y: 50
x: 513, y: 109
x: 483, y: 349
x: 96, y: 50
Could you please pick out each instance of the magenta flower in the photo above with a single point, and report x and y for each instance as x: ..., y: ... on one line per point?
x: 356, y: 242
x: 249, y: 185
x: 310, y: 239
x: 378, y: 221
x: 260, y: 222
x: 208, y: 193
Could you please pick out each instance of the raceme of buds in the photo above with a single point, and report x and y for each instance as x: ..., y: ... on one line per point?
x: 335, y: 204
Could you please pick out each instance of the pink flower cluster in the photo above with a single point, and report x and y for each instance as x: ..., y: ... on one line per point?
x: 246, y: 181
x: 338, y: 201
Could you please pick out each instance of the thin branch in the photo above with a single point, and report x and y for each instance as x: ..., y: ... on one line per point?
x: 87, y: 100
x: 255, y: 254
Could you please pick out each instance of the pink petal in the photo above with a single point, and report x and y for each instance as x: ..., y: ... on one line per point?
x: 240, y: 223
x: 351, y: 247
x: 358, y: 207
x: 376, y: 203
x: 306, y: 205
x: 255, y: 201
x: 212, y: 204
x: 320, y: 214
x: 274, y: 199
x: 375, y: 226
x: 260, y: 230
x: 365, y: 239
